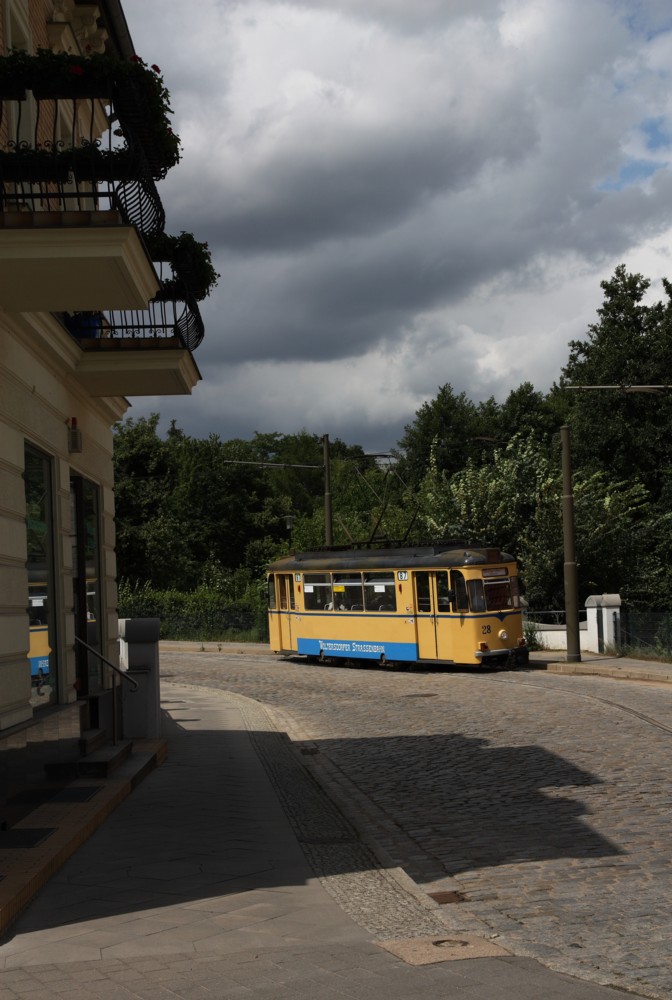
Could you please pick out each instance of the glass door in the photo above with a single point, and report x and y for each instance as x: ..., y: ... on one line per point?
x: 435, y: 626
x: 40, y: 566
x: 425, y: 617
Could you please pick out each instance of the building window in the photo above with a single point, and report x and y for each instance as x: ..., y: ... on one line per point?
x: 40, y: 566
x: 85, y: 521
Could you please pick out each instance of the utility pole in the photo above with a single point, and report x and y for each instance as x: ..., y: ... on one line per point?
x: 570, y: 571
x: 328, y: 514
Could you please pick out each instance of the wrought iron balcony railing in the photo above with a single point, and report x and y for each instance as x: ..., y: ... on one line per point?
x: 172, y: 319
x: 43, y: 169
x: 134, y: 92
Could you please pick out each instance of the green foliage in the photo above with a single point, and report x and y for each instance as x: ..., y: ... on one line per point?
x: 631, y: 345
x: 515, y: 501
x: 202, y: 615
x: 207, y: 516
x: 532, y: 635
x: 191, y: 260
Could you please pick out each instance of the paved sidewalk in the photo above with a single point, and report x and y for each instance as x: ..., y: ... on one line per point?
x: 599, y: 665
x: 199, y: 885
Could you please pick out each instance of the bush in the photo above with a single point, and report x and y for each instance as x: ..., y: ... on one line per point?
x: 533, y: 638
x: 203, y: 615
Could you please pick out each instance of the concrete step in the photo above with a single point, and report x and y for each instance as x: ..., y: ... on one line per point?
x: 91, y: 740
x: 101, y: 763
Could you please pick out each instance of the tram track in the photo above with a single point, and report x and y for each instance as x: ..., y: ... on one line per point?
x: 626, y: 709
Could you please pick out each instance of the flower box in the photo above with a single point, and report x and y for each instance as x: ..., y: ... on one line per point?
x: 33, y: 166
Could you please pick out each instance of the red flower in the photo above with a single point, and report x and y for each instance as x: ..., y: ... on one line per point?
x: 136, y: 59
x: 156, y: 68
x: 77, y: 70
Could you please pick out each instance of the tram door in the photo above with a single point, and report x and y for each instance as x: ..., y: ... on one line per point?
x: 286, y: 603
x: 432, y: 601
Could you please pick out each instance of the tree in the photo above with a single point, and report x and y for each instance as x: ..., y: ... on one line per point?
x: 631, y: 344
x: 515, y: 502
x: 526, y: 411
x: 144, y: 482
x: 444, y: 427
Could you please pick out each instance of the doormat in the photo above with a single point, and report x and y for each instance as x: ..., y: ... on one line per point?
x: 11, y: 840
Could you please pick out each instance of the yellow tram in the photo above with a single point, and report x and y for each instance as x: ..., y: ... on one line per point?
x: 444, y: 603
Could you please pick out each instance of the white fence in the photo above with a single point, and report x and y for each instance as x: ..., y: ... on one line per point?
x: 600, y: 630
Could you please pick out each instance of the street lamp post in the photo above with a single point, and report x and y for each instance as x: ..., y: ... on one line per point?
x: 328, y: 513
x: 289, y: 521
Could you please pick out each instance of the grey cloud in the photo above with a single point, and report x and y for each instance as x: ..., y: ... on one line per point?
x: 333, y: 240
x: 403, y: 15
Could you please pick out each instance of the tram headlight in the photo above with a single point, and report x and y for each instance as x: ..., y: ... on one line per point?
x: 503, y: 634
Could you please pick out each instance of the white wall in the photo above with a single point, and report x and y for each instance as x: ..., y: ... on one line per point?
x: 597, y: 633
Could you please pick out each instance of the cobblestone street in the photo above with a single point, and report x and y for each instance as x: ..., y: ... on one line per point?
x: 541, y: 803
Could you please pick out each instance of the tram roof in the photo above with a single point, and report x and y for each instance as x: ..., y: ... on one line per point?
x: 411, y: 557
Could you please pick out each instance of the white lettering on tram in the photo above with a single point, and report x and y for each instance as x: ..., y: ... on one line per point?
x: 351, y: 647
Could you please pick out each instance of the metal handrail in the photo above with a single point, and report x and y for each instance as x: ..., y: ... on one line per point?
x: 134, y: 684
x: 122, y: 673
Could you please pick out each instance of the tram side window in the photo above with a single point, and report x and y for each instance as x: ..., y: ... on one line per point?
x: 379, y: 592
x: 348, y: 592
x: 515, y: 592
x: 460, y: 599
x: 271, y: 593
x: 317, y: 591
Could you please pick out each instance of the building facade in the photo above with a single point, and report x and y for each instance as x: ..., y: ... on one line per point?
x: 94, y: 307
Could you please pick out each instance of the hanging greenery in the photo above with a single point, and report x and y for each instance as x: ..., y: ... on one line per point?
x: 191, y: 260
x: 141, y: 99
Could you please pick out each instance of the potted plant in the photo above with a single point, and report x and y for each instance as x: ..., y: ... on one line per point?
x: 62, y: 76
x: 90, y: 162
x: 136, y: 90
x: 84, y: 325
x: 142, y: 103
x: 190, y: 260
x: 13, y: 75
x: 33, y: 166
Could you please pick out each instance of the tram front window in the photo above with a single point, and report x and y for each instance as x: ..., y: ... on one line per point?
x: 498, y: 595
x: 491, y: 595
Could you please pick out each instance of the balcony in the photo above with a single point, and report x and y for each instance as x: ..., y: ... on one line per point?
x: 72, y: 218
x: 73, y: 205
x: 82, y: 142
x: 140, y: 352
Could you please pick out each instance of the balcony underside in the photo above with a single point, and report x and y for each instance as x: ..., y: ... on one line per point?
x: 54, y: 262
x: 128, y: 367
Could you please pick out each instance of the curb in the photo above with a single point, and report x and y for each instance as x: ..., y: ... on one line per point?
x: 656, y: 672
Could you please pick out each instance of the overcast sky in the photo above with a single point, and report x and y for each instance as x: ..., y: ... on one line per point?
x: 404, y: 193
